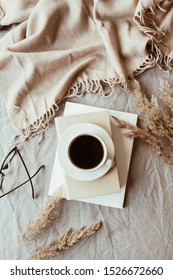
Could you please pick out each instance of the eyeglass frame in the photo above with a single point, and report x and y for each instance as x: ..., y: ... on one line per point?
x: 4, y: 166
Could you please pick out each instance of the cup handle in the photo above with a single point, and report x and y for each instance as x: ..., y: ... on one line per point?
x: 110, y: 162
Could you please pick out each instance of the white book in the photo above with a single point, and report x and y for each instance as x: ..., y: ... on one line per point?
x: 123, y: 148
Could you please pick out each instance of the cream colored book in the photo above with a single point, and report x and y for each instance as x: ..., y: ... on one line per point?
x: 109, y: 182
x: 123, y: 147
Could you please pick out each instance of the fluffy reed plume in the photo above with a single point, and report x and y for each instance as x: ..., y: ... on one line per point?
x: 167, y: 93
x: 156, y: 119
x: 44, y: 218
x: 64, y: 242
x: 147, y: 137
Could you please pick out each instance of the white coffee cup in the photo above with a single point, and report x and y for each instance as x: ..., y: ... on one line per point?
x: 88, y: 152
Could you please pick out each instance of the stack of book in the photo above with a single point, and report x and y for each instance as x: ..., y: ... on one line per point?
x: 108, y: 190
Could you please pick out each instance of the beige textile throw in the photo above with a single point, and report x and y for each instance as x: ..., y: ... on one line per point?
x: 62, y: 48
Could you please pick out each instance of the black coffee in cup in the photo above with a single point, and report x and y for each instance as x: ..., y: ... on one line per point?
x: 86, y: 151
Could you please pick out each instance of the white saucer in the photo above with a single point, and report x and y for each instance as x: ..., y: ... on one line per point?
x: 63, y: 144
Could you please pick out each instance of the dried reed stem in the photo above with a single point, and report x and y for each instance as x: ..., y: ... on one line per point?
x: 155, y: 117
x: 64, y: 242
x: 147, y: 137
x: 167, y: 93
x: 44, y: 218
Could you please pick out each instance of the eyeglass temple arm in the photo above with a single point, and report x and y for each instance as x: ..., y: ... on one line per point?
x: 25, y: 183
x: 32, y: 187
x: 2, y: 166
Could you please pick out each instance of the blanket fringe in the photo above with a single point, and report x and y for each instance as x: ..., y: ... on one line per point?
x: 103, y: 87
x: 145, y: 21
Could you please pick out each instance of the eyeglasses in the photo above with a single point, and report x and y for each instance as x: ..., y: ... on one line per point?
x: 5, y: 166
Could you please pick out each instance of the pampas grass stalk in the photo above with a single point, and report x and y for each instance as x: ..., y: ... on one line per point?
x: 44, y: 218
x: 155, y: 117
x: 167, y: 93
x: 147, y: 137
x: 64, y: 242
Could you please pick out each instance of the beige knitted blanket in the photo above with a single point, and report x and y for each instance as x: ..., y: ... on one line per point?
x: 62, y: 48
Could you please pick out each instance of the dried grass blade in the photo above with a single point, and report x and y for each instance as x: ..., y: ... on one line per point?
x: 64, y: 242
x: 147, y: 137
x: 44, y: 218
